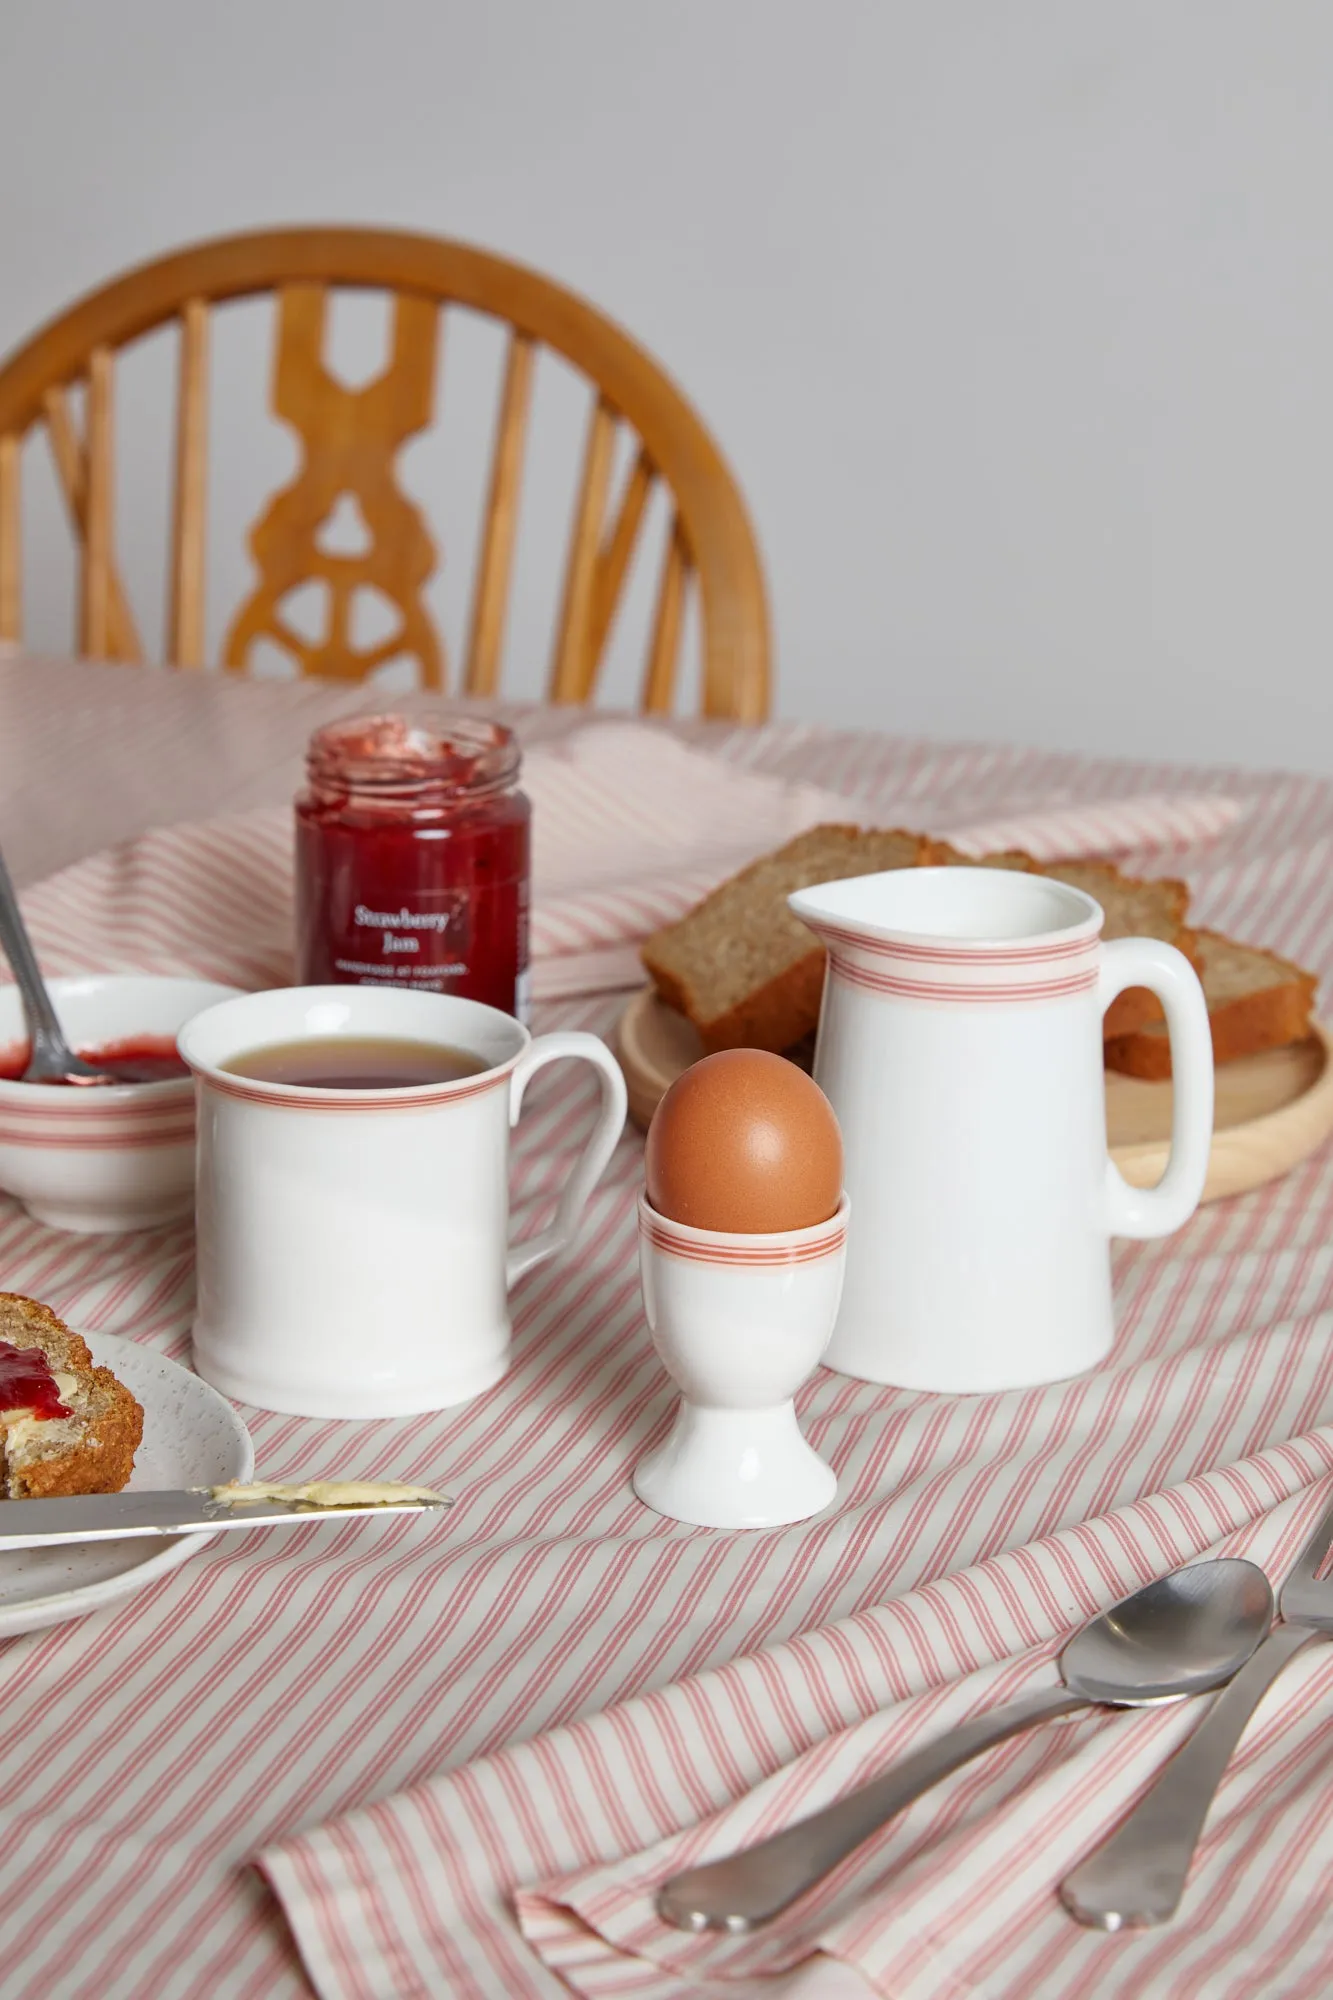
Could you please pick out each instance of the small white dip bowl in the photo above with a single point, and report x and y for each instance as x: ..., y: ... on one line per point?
x: 107, y: 1156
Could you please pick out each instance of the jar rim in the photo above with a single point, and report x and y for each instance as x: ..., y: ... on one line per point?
x: 461, y: 754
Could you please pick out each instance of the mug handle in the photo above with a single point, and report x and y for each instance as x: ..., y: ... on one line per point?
x: 601, y: 1144
x: 1156, y: 1211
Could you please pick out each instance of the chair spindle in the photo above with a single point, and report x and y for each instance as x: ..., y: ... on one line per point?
x: 490, y: 600
x: 185, y: 608
x: 95, y: 636
x: 617, y: 548
x: 72, y: 472
x: 660, y: 675
x: 574, y: 664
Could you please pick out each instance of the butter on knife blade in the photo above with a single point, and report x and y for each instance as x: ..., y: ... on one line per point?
x: 113, y: 1517
x: 329, y: 1493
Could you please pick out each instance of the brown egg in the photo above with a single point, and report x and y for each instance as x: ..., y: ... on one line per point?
x: 745, y: 1141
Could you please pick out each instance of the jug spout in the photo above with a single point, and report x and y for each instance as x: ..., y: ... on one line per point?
x: 962, y: 906
x: 841, y: 908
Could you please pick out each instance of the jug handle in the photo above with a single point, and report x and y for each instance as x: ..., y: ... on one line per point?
x: 1156, y: 1211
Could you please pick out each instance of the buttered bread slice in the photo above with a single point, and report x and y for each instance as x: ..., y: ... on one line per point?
x: 65, y: 1426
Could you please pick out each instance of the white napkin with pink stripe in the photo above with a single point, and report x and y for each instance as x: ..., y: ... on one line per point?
x: 630, y: 826
x: 570, y: 1834
x: 963, y: 1882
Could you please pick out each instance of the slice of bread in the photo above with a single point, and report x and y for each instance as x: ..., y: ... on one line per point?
x: 1256, y: 1000
x: 749, y: 974
x: 89, y: 1451
x: 740, y: 966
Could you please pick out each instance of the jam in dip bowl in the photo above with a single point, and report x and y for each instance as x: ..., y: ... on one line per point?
x: 120, y: 1156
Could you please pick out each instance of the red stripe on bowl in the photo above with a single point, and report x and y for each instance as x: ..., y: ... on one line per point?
x: 124, y: 1142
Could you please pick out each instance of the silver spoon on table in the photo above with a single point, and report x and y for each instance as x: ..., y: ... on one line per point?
x: 51, y: 1059
x: 1138, y: 1874
x: 1179, y: 1636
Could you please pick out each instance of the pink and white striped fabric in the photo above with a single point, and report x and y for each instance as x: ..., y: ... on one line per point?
x: 462, y: 1759
x: 631, y: 827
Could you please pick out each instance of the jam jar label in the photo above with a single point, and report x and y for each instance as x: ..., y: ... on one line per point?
x: 426, y: 946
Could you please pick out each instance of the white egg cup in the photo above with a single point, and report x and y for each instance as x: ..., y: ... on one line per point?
x: 739, y: 1322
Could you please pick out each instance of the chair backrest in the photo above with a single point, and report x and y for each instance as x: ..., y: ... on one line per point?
x: 350, y: 438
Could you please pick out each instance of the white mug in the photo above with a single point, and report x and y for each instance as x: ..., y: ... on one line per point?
x: 960, y: 1043
x: 353, y: 1250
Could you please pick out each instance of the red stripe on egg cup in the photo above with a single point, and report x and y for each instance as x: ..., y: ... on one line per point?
x: 743, y: 1250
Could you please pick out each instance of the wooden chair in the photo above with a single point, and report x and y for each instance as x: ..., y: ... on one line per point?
x: 350, y: 439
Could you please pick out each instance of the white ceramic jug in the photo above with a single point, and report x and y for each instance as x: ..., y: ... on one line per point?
x: 960, y: 1044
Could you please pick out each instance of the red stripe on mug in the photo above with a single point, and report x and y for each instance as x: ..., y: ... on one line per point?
x: 356, y: 1100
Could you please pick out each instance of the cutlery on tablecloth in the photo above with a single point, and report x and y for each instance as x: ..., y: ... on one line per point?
x: 120, y: 1517
x: 1180, y: 1635
x: 1137, y: 1876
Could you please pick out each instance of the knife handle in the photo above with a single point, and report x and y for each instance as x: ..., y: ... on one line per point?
x: 1138, y: 1875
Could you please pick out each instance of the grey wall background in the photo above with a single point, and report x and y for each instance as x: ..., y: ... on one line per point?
x: 1015, y: 319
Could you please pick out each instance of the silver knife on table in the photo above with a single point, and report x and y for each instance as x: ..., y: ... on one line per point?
x: 119, y: 1517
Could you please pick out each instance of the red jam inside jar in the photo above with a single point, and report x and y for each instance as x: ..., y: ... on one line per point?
x: 412, y: 859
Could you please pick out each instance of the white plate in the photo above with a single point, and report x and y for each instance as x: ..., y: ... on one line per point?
x: 191, y: 1437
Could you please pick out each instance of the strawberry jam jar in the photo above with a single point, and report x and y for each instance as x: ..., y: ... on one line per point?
x: 412, y: 843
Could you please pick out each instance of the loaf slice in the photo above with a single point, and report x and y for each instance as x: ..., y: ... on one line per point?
x: 89, y: 1451
x: 749, y: 974
x: 1256, y: 1000
x: 940, y: 854
x: 740, y: 966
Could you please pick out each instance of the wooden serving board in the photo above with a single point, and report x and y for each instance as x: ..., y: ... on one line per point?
x: 1273, y: 1109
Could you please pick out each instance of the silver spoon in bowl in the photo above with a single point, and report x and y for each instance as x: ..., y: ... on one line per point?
x: 1181, y: 1635
x: 51, y: 1059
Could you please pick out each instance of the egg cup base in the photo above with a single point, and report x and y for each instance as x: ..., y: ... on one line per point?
x: 728, y: 1468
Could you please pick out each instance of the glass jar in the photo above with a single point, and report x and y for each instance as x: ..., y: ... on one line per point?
x: 412, y: 845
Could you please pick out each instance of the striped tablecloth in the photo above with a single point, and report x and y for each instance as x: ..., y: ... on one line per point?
x: 445, y: 1746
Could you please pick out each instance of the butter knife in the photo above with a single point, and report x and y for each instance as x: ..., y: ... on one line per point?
x: 119, y: 1517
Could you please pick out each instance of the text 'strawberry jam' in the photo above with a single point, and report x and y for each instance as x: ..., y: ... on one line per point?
x: 412, y: 846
